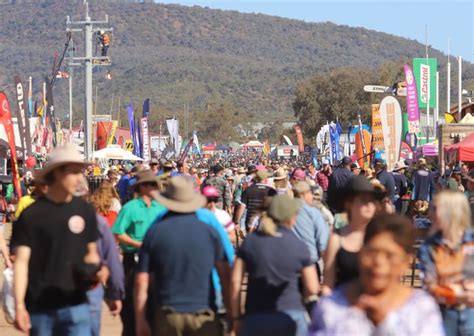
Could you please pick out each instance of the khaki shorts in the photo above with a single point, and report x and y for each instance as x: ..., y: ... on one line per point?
x: 168, y: 322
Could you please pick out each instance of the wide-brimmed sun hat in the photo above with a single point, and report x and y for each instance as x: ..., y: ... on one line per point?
x: 399, y: 166
x: 145, y: 176
x: 180, y: 196
x: 279, y: 175
x: 60, y: 156
x: 360, y: 185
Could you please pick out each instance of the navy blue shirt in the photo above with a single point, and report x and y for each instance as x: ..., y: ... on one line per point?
x: 273, y: 264
x: 337, y: 182
x: 388, y: 182
x: 401, y: 184
x: 181, y: 251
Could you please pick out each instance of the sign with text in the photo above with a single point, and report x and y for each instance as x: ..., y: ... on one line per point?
x: 425, y: 77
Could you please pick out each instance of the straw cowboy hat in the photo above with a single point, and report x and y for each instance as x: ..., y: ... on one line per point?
x: 280, y: 174
x: 61, y: 156
x: 180, y: 196
x: 399, y: 166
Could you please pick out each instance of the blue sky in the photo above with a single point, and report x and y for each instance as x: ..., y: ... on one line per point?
x: 446, y: 19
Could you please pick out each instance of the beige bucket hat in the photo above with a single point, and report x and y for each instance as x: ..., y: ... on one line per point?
x: 61, y: 156
x: 180, y: 196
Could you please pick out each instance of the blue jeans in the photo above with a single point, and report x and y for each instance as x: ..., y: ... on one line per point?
x: 95, y: 297
x: 283, y: 323
x: 68, y: 321
x: 458, y: 322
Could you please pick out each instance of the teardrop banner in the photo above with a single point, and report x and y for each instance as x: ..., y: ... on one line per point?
x: 391, y: 117
x: 363, y: 147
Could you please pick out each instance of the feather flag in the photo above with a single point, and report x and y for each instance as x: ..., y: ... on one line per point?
x: 196, y: 147
x: 146, y: 108
x: 131, y: 123
x: 139, y: 136
x: 6, y: 120
x: 266, y: 148
x: 335, y: 131
x: 30, y: 98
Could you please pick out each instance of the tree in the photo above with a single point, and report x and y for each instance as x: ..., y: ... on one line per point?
x: 339, y: 95
x: 335, y: 95
x: 218, y: 121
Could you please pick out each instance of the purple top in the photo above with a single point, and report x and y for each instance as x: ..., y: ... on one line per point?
x: 334, y: 315
x: 108, y: 252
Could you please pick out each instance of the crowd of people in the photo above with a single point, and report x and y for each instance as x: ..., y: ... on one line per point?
x: 244, y: 247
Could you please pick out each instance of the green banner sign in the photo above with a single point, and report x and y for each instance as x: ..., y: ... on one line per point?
x: 425, y: 76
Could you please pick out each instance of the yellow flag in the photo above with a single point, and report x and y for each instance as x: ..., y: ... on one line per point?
x: 266, y: 148
x: 448, y: 117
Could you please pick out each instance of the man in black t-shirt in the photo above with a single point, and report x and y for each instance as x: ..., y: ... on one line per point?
x: 56, y: 254
x: 253, y: 198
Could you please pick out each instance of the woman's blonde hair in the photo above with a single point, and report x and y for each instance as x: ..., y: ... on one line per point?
x: 102, y: 197
x: 452, y: 209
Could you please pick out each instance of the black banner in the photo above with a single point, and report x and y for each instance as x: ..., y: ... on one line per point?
x: 22, y: 116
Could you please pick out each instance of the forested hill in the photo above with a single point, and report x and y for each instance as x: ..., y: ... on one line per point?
x: 176, y: 54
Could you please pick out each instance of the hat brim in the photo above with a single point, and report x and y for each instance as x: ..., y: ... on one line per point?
x: 41, y: 173
x: 400, y: 168
x: 148, y: 180
x: 279, y: 178
x: 197, y: 202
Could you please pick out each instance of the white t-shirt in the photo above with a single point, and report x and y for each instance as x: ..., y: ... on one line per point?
x: 224, y: 218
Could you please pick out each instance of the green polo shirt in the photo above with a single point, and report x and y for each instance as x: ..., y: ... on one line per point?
x: 134, y: 219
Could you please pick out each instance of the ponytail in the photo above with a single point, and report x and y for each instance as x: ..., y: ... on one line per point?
x: 269, y: 227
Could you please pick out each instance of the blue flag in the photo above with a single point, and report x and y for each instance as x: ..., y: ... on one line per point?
x: 131, y: 122
x: 138, y: 128
x: 146, y: 108
x: 335, y: 131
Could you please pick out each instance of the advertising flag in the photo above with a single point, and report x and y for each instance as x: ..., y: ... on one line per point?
x: 266, y: 148
x: 363, y: 147
x: 30, y: 97
x: 186, y: 149
x: 377, y: 134
x: 103, y: 130
x: 425, y: 78
x: 139, y: 136
x: 133, y: 132
x: 335, y: 131
x: 412, y: 102
x: 391, y: 116
x: 173, y: 128
x: 145, y: 140
x: 25, y: 136
x: 6, y: 120
x: 196, y: 143
x: 146, y: 108
x: 299, y: 138
x: 111, y: 135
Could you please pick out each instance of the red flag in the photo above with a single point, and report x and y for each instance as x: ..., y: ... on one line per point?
x: 299, y: 137
x: 103, y: 130
x: 6, y: 120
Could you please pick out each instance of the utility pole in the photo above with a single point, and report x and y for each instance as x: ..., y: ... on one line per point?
x: 71, y: 70
x: 89, y: 27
